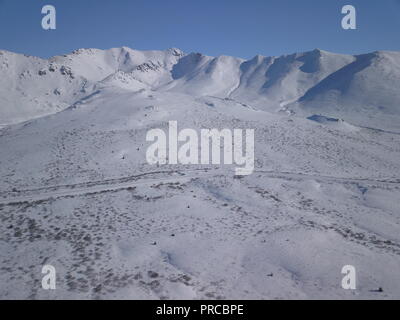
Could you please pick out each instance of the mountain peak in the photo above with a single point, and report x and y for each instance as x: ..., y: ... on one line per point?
x: 176, y: 52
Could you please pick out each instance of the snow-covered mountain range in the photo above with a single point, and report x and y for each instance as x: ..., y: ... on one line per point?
x: 362, y: 89
x: 76, y: 191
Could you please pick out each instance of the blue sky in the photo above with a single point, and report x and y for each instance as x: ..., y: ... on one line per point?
x: 214, y: 27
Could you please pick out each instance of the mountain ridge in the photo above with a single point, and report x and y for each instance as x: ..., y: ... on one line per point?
x: 306, y: 83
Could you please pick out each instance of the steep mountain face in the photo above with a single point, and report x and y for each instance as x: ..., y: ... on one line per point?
x: 272, y: 83
x: 360, y: 89
x: 366, y: 92
x: 200, y: 75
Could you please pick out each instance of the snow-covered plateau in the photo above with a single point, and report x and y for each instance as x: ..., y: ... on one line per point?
x: 77, y: 193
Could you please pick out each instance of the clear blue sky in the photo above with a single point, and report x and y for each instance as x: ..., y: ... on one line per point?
x: 214, y: 27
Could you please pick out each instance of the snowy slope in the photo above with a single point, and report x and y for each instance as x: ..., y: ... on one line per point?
x: 61, y: 81
x: 76, y: 191
x: 32, y: 87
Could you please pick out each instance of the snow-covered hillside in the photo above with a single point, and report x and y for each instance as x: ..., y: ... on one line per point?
x: 76, y: 191
x: 31, y: 87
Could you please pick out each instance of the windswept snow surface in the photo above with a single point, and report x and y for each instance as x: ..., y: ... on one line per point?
x: 77, y: 193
